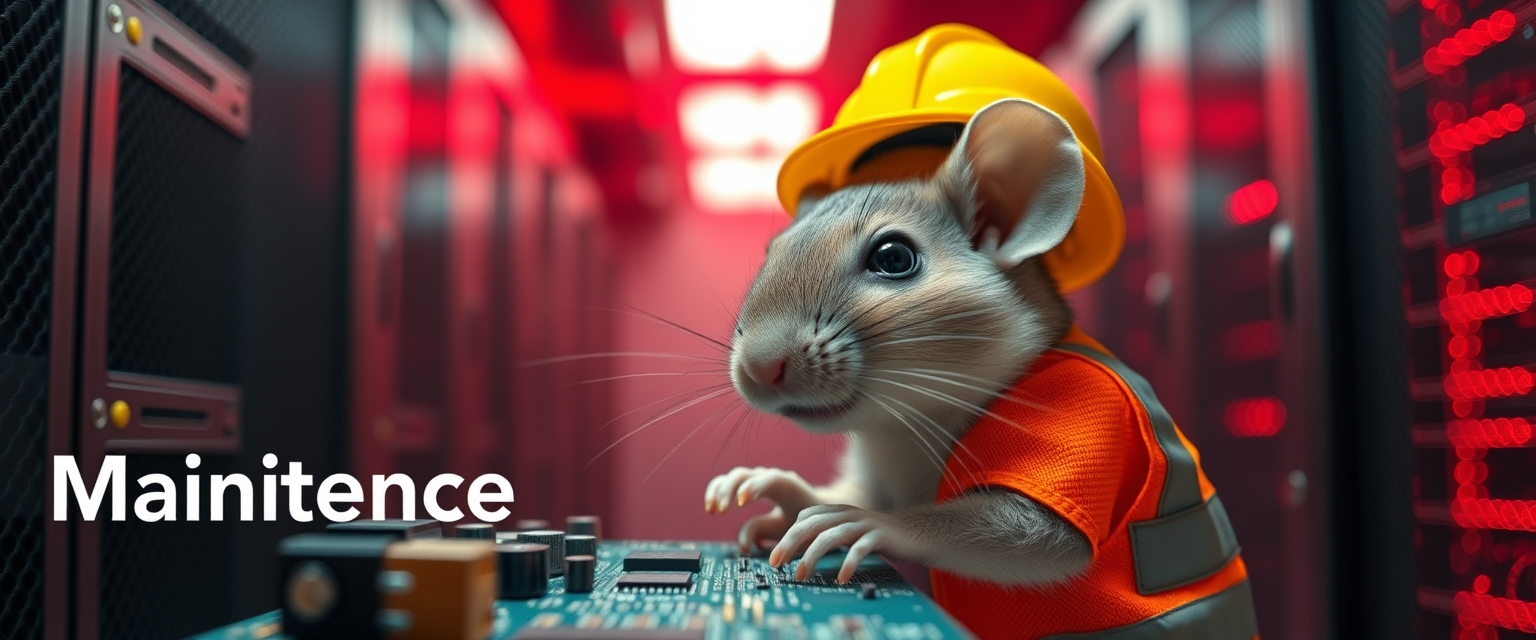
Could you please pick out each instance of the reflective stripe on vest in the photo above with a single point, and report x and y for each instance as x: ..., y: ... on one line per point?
x: 1192, y: 538
x: 1225, y: 615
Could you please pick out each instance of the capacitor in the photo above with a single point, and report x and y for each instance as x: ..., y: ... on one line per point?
x: 476, y: 531
x: 532, y: 525
x: 584, y: 526
x: 556, y: 542
x: 580, y: 573
x: 523, y: 570
x: 580, y: 545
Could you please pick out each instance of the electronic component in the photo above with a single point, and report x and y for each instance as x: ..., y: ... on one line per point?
x: 568, y: 633
x: 580, y: 545
x: 531, y: 525
x: 867, y: 591
x: 401, y: 529
x: 662, y: 561
x: 584, y: 526
x: 523, y: 569
x: 438, y: 589
x: 580, y: 573
x: 328, y: 585
x: 730, y: 596
x: 656, y: 580
x: 475, y: 531
x: 556, y: 542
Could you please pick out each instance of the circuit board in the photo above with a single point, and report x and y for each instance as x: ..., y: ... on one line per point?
x: 730, y: 596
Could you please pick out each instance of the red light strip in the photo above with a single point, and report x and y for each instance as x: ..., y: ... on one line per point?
x: 1504, y: 612
x: 1477, y: 131
x: 1483, y: 513
x: 1489, y: 432
x: 1487, y: 303
x: 1252, y: 202
x: 1468, y: 42
x: 1255, y: 417
x: 1489, y: 383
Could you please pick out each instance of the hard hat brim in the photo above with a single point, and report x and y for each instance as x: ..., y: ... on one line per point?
x: 1088, y: 252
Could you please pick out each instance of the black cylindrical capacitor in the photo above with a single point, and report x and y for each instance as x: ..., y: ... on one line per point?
x: 584, y: 526
x: 532, y: 525
x: 578, y: 545
x: 556, y: 542
x: 522, y: 570
x: 476, y: 531
x: 580, y: 573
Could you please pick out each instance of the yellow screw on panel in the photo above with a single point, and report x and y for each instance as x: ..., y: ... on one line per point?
x: 120, y: 414
x: 135, y: 29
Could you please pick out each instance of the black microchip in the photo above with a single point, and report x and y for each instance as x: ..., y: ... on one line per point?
x: 401, y: 529
x: 662, y: 561
x: 656, y: 579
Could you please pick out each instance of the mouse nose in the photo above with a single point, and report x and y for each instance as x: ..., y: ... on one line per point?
x: 768, y: 372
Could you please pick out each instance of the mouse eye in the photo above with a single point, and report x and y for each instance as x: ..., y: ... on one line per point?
x: 893, y: 258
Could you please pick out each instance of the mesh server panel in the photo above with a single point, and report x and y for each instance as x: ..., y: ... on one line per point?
x: 1465, y: 74
x: 175, y: 286
x: 29, y: 120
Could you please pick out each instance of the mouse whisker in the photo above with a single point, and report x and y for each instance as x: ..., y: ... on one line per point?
x: 708, y: 372
x: 926, y: 321
x: 671, y: 412
x: 623, y: 354
x: 937, y: 338
x: 680, y: 443
x: 935, y: 375
x: 741, y: 418
x: 712, y: 342
x: 713, y: 387
x: 947, y: 398
x: 938, y: 429
x: 929, y: 451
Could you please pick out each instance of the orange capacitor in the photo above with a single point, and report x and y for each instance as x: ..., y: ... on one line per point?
x: 440, y: 589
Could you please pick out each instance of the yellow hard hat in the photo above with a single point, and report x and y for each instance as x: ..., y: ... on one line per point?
x: 944, y: 76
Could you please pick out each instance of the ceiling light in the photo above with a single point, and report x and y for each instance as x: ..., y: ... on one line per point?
x: 734, y: 35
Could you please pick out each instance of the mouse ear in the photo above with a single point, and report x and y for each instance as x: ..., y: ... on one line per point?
x: 1016, y: 178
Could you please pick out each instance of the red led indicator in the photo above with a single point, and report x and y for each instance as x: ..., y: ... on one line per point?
x: 1489, y: 432
x: 1486, y: 303
x: 1468, y: 42
x: 1451, y: 139
x: 1252, y: 202
x: 1488, y: 383
x: 1483, y: 513
x: 1503, y: 612
x: 1255, y: 417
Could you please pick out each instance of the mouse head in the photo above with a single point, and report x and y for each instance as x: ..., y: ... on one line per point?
x: 902, y: 304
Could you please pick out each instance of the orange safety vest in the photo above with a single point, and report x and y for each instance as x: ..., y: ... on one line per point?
x: 1098, y: 449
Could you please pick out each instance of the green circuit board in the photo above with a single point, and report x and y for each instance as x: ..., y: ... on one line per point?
x: 730, y: 597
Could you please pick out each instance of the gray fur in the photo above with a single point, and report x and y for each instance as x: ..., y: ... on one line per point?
x: 910, y: 364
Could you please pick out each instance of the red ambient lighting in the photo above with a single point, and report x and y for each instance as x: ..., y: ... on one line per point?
x: 1503, y: 612
x: 1488, y: 383
x: 1470, y: 41
x: 1251, y: 341
x: 1476, y: 131
x: 1489, y: 432
x: 1252, y: 202
x: 1462, y: 264
x: 1482, y: 513
x: 1255, y: 417
x: 1487, y: 303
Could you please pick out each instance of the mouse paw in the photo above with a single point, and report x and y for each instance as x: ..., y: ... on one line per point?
x: 746, y: 484
x: 823, y: 528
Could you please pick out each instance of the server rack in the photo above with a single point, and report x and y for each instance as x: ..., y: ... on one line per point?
x: 1463, y: 75
x: 1204, y: 107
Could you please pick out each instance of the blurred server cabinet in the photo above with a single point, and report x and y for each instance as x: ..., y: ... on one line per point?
x: 41, y: 132
x: 471, y: 274
x: 208, y: 285
x: 1463, y: 78
x: 1204, y: 107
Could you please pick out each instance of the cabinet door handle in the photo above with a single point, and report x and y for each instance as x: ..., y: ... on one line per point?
x: 1282, y: 271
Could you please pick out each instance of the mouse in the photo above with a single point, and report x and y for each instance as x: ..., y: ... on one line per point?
x: 896, y: 314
